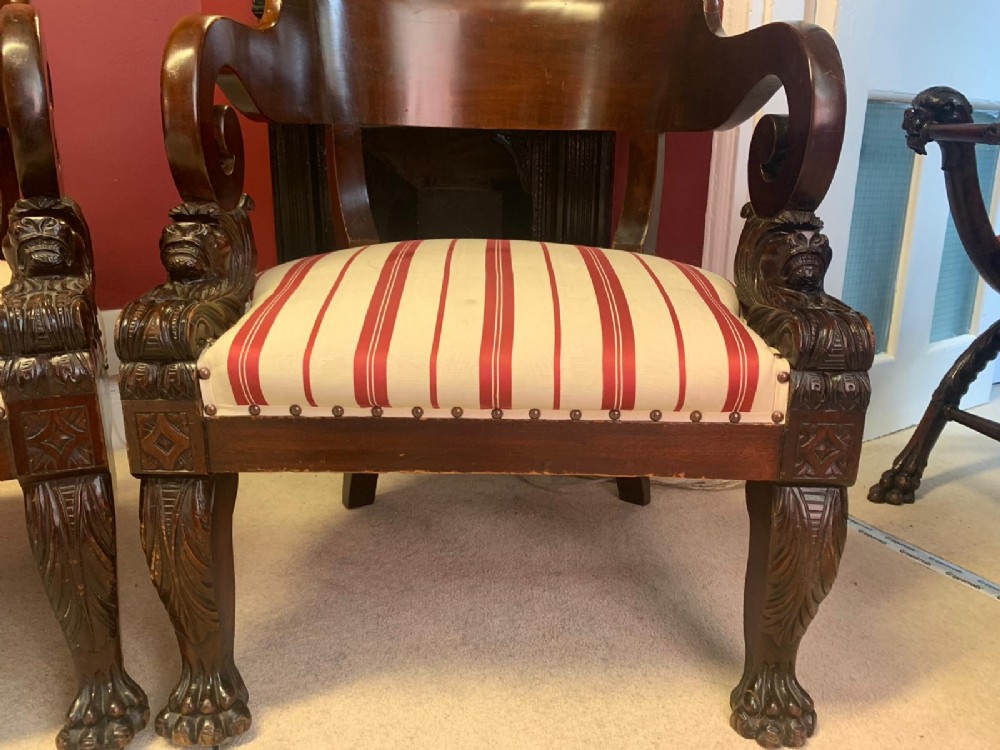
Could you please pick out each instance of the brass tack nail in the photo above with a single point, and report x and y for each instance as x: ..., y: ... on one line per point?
x: 784, y: 377
x: 656, y: 415
x: 211, y: 410
x: 295, y: 410
x: 204, y: 373
x: 254, y: 410
x: 778, y: 417
x: 338, y: 411
x: 417, y: 412
x: 376, y: 411
x: 576, y: 415
x: 535, y: 413
x: 734, y: 417
x: 497, y: 413
x: 696, y: 416
x: 615, y: 415
x: 457, y: 412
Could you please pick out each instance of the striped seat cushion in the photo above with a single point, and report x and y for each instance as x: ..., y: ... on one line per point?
x: 493, y: 329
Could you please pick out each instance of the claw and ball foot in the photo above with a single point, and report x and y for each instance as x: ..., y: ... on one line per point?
x: 797, y: 537
x: 205, y: 709
x: 186, y: 532
x: 107, y: 713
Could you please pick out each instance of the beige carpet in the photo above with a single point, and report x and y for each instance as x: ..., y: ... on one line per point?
x: 487, y: 612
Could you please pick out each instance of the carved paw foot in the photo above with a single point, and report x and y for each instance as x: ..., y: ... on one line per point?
x: 897, y: 485
x: 205, y: 710
x: 772, y: 708
x: 105, y: 715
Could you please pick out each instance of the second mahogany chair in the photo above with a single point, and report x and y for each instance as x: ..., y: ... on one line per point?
x: 495, y: 356
x: 51, y: 430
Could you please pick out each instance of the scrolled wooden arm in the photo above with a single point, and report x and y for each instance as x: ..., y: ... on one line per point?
x: 210, y: 257
x: 943, y: 115
x: 203, y: 140
x: 780, y: 267
x: 792, y: 158
x: 27, y: 110
x: 283, y: 71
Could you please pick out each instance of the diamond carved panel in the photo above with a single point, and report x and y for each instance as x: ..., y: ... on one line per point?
x: 57, y: 439
x: 165, y: 441
x: 824, y: 450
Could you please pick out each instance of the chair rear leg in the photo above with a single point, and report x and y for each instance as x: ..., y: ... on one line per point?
x: 359, y: 490
x: 797, y: 537
x: 186, y: 527
x: 633, y: 490
x: 71, y: 527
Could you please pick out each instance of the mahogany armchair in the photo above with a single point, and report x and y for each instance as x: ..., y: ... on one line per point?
x: 943, y: 115
x: 495, y: 356
x: 51, y: 432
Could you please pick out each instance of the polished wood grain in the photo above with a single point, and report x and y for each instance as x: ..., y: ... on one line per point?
x: 474, y: 446
x: 620, y: 65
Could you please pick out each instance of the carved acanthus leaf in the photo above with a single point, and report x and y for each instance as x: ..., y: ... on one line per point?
x: 72, y: 535
x: 175, y: 526
x: 809, y: 529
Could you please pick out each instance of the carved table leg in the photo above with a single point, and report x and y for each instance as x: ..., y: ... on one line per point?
x: 797, y: 537
x: 71, y: 527
x: 186, y: 527
x: 633, y: 490
x: 898, y: 484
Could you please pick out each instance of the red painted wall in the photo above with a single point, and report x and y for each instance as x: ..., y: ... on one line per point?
x: 105, y: 67
x: 687, y: 161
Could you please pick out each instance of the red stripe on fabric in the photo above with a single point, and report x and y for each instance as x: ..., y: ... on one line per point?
x: 557, y: 324
x: 497, y: 345
x: 243, y: 363
x: 439, y: 324
x: 681, y: 363
x: 616, y: 328
x: 744, y: 364
x: 307, y: 356
x: 372, y: 352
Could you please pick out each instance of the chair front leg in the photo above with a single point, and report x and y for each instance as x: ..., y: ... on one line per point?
x: 71, y: 527
x: 797, y: 536
x: 186, y: 527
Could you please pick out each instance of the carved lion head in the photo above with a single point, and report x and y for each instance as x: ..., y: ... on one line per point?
x: 935, y: 105
x: 194, y: 247
x: 796, y: 260
x: 47, y: 237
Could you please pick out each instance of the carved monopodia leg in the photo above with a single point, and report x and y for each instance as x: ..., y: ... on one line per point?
x: 898, y: 484
x: 797, y: 537
x: 71, y: 527
x: 186, y: 526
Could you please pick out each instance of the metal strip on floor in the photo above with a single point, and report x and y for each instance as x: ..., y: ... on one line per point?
x: 927, y: 559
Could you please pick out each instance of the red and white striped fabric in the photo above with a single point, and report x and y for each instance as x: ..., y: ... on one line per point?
x: 493, y: 324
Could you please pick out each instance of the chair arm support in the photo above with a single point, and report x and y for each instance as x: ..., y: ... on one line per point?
x: 780, y: 267
x: 210, y: 258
